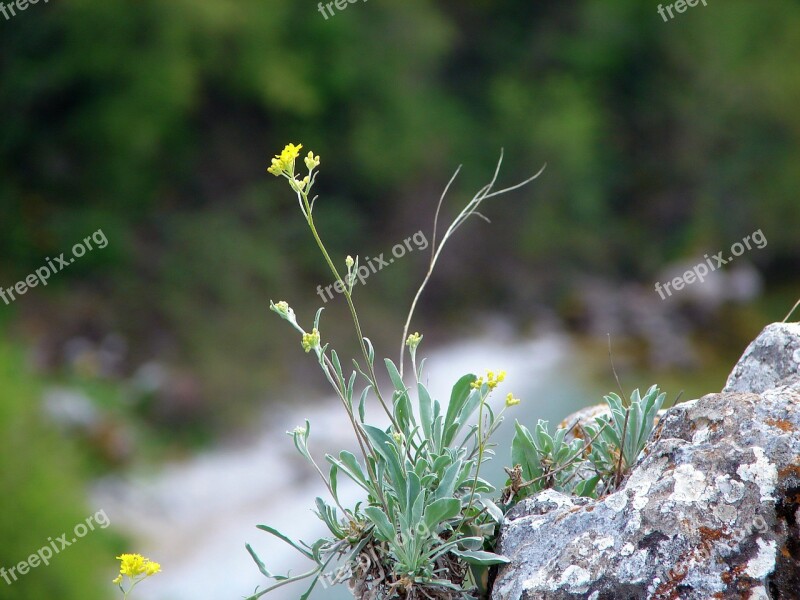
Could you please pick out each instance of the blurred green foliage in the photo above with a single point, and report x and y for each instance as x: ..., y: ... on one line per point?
x: 42, y: 482
x: 155, y: 121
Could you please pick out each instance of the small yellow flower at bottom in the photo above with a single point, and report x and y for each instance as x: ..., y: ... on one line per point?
x: 136, y: 568
x: 511, y: 401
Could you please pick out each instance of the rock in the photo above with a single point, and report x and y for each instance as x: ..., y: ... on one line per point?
x: 772, y: 358
x: 712, y: 511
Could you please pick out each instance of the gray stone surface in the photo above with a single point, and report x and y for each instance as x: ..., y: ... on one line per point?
x: 711, y: 512
x: 772, y: 358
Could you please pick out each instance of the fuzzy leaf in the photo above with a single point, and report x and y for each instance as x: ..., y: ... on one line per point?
x: 383, y: 528
x: 481, y: 557
x: 439, y: 511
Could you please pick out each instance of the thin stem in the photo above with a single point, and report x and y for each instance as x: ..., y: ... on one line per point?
x: 618, y: 475
x: 480, y: 453
x: 794, y: 308
x: 304, y: 204
x: 469, y: 210
x: 353, y: 313
x: 494, y: 427
x: 360, y: 435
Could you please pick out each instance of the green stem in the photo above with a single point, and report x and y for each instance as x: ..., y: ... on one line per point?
x: 351, y: 306
x: 480, y: 454
x: 373, y: 379
x: 360, y: 435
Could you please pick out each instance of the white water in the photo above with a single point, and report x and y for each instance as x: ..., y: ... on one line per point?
x: 194, y: 517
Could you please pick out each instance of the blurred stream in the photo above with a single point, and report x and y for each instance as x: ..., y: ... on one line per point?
x: 194, y: 517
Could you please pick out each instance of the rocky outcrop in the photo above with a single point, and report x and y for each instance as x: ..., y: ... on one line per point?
x: 773, y: 359
x: 711, y: 512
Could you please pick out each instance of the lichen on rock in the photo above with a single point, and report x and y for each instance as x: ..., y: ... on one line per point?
x: 711, y: 511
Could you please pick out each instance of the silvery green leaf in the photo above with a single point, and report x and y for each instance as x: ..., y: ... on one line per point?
x: 362, y: 403
x: 480, y: 557
x: 337, y: 367
x: 383, y: 528
x: 394, y: 375
x: 370, y: 351
x: 334, y: 481
x: 281, y: 536
x: 425, y: 410
x: 493, y: 510
x: 458, y: 398
x: 447, y: 484
x: 439, y: 511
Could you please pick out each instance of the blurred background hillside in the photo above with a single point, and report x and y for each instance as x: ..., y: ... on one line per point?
x: 155, y: 121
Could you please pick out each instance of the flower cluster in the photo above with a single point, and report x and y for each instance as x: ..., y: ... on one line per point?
x: 491, y: 380
x: 413, y: 340
x: 312, y: 162
x: 283, y: 166
x: 310, y: 340
x: 136, y: 568
x: 283, y: 163
x: 282, y: 308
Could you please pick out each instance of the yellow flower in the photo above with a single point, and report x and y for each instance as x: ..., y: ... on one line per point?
x: 136, y: 568
x: 349, y: 262
x: 284, y: 162
x: 311, y: 161
x: 413, y: 340
x: 290, y: 152
x: 276, y: 168
x: 492, y: 380
x: 151, y: 568
x: 131, y: 564
x: 511, y: 401
x: 310, y: 340
x: 134, y: 565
